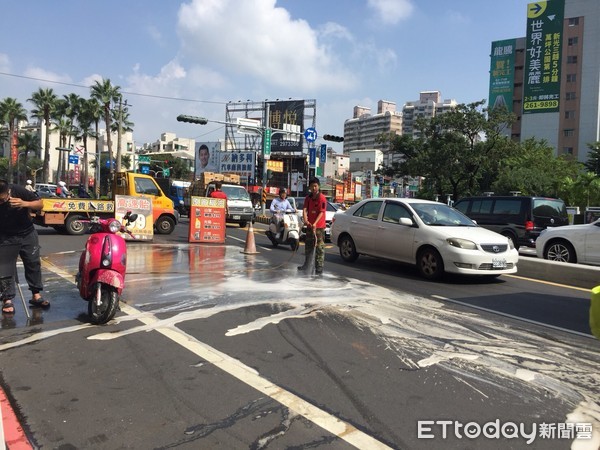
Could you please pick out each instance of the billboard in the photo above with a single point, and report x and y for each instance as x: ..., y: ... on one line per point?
x: 282, y: 114
x: 207, y: 158
x: 541, y: 90
x: 242, y: 163
x: 502, y: 73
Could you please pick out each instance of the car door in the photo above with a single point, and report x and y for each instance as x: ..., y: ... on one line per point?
x: 592, y: 244
x: 363, y: 227
x: 395, y: 241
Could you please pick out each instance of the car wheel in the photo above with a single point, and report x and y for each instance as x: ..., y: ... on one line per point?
x: 430, y: 264
x: 560, y: 251
x: 243, y: 224
x: 347, y: 249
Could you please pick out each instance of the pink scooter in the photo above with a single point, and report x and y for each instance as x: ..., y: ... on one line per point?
x: 102, y: 265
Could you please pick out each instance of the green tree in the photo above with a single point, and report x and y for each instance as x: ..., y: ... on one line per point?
x: 11, y: 112
x: 44, y: 101
x: 29, y: 143
x: 106, y: 93
x: 121, y: 123
x: 457, y: 150
x: 533, y: 170
x: 593, y: 161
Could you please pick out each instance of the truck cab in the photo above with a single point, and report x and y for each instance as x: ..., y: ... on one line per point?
x: 239, y: 205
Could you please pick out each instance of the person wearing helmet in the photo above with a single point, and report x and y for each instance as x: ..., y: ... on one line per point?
x: 64, y: 192
x: 29, y: 186
x: 279, y: 206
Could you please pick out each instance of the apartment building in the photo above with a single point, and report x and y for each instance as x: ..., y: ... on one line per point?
x: 362, y: 131
x: 551, y: 77
x: 429, y: 105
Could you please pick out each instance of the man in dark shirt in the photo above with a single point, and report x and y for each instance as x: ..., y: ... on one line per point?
x: 16, y: 227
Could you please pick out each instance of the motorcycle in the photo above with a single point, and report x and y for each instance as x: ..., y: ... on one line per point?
x: 289, y: 234
x: 101, y: 276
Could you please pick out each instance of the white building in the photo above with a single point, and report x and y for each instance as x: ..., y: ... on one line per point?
x: 430, y: 104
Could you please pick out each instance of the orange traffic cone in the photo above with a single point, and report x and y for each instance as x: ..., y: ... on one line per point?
x: 250, y: 244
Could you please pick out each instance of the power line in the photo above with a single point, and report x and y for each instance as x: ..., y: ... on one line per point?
x: 123, y: 92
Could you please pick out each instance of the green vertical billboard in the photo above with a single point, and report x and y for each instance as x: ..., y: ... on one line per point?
x: 543, y: 57
x: 502, y: 74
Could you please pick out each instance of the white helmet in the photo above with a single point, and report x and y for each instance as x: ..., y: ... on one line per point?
x: 61, y: 183
x: 28, y: 181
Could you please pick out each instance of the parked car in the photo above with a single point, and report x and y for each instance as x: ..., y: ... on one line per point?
x: 433, y: 236
x: 572, y: 244
x: 332, y: 209
x: 45, y: 190
x: 520, y: 218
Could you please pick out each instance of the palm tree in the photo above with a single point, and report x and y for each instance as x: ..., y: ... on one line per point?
x: 11, y: 112
x: 94, y: 109
x: 121, y: 124
x: 86, y: 118
x: 63, y: 126
x: 45, y: 103
x: 106, y: 93
x: 28, y: 143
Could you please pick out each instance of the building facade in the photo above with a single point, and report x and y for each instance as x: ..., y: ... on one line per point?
x: 429, y: 105
x: 552, y: 82
x: 362, y: 131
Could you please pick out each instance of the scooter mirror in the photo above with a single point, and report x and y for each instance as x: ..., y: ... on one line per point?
x: 132, y: 218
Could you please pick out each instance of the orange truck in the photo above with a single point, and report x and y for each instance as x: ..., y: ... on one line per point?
x: 63, y: 214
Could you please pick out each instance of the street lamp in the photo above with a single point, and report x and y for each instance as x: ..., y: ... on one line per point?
x: 62, y: 149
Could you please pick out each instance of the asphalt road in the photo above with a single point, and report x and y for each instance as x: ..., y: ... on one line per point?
x: 218, y: 349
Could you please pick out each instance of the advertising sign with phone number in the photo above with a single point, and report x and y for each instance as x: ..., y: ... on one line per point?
x: 143, y: 228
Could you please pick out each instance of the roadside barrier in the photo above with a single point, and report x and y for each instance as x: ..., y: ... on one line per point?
x: 250, y: 248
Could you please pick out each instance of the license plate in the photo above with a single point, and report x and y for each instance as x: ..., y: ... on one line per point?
x: 237, y: 217
x: 498, y: 263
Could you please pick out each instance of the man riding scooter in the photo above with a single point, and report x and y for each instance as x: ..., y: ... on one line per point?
x: 279, y: 206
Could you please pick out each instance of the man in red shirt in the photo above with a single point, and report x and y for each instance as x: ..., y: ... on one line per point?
x: 218, y: 193
x: 315, y: 206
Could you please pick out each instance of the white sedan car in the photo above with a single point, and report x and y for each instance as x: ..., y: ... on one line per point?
x: 433, y: 236
x: 571, y: 243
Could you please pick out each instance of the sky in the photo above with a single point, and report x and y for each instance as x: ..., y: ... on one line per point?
x: 192, y: 57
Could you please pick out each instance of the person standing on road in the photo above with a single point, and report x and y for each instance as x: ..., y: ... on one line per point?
x: 16, y: 227
x: 313, y: 214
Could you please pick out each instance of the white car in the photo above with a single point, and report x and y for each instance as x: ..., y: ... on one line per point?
x: 571, y: 243
x: 431, y: 235
x: 332, y: 209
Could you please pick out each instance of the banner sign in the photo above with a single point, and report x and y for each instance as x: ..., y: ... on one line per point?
x: 207, y: 220
x: 543, y: 57
x: 143, y: 228
x: 502, y: 74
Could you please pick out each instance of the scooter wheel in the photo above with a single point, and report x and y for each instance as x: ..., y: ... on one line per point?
x: 295, y: 244
x: 103, y: 311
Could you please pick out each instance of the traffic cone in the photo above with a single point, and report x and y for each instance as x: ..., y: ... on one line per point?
x: 250, y: 248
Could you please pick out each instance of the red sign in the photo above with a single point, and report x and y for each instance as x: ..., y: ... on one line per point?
x: 207, y: 220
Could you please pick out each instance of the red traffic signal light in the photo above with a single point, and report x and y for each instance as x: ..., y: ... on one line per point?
x: 331, y: 137
x: 192, y: 119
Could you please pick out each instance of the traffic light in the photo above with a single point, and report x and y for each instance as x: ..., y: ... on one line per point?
x: 192, y: 119
x: 331, y: 137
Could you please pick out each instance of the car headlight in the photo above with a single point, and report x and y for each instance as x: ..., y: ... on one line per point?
x: 462, y: 243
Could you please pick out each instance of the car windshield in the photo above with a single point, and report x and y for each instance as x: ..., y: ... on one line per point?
x: 236, y: 193
x: 441, y: 215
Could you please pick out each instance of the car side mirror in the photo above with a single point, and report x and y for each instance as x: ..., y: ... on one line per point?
x: 406, y: 221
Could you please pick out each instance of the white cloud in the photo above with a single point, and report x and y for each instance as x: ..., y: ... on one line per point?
x: 156, y: 35
x: 43, y: 74
x: 4, y: 62
x: 260, y: 41
x: 391, y: 11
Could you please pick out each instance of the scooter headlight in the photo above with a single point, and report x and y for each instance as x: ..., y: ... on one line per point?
x: 114, y: 226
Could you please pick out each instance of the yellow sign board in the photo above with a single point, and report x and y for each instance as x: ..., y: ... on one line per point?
x: 275, y: 166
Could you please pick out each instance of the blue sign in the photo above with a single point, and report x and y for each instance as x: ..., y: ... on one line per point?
x: 323, y: 156
x: 310, y: 134
x: 394, y: 184
x: 145, y: 169
x: 73, y: 159
x: 108, y: 163
x: 312, y: 157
